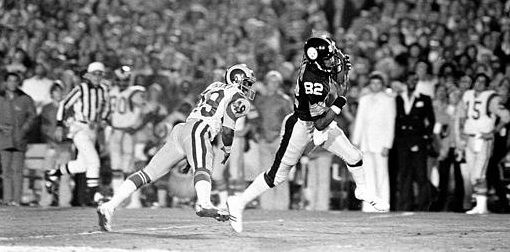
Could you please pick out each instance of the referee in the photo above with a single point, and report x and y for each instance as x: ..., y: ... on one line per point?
x: 87, y: 106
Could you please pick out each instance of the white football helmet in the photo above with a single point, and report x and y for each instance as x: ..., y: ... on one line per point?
x: 241, y: 77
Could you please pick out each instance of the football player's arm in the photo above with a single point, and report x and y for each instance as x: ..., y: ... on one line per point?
x: 66, y: 103
x: 106, y: 109
x: 499, y: 110
x: 235, y: 110
x: 323, y: 122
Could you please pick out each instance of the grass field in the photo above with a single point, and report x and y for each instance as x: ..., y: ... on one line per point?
x: 75, y: 229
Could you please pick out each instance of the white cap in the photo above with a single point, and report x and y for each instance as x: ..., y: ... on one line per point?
x: 96, y: 66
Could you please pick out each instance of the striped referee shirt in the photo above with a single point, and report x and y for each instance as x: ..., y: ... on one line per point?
x: 90, y: 103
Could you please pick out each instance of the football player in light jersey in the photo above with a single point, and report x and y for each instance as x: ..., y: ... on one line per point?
x: 479, y: 110
x: 126, y: 117
x: 318, y: 100
x: 220, y: 106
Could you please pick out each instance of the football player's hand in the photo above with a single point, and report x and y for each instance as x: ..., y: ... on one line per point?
x: 59, y: 134
x: 347, y: 63
x: 226, y: 153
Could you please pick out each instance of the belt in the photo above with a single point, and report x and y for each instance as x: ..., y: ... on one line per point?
x: 91, y: 125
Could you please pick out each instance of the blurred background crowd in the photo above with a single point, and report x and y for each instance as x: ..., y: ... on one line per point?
x: 176, y: 48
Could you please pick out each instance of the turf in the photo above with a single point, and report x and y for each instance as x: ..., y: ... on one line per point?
x: 75, y: 229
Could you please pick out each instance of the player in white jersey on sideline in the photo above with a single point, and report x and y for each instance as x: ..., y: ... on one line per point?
x: 480, y: 107
x: 126, y: 118
x: 220, y: 106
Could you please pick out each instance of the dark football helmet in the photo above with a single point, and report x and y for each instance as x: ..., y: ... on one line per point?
x: 241, y: 77
x: 122, y: 76
x: 322, y: 52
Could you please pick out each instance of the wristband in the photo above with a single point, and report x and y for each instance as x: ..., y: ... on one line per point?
x: 336, y: 109
x: 340, y: 102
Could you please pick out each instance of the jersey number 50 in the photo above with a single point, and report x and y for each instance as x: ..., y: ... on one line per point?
x: 313, y: 88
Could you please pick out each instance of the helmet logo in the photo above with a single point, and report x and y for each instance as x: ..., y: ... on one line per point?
x: 312, y: 53
x: 238, y: 78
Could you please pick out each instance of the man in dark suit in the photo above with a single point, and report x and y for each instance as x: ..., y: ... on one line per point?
x: 413, y: 127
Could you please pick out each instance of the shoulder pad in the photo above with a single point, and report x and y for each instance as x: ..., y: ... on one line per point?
x: 137, y: 88
x: 240, y: 107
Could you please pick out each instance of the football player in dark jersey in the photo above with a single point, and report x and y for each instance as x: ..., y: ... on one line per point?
x: 318, y: 100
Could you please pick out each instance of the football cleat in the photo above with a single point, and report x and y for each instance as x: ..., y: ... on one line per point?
x: 377, y: 203
x: 212, y: 212
x: 105, y: 215
x: 51, y: 181
x: 235, y: 209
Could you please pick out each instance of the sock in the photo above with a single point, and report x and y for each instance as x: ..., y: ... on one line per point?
x: 91, y: 191
x: 117, y: 179
x: 358, y: 175
x: 481, y: 202
x: 124, y: 191
x: 222, y: 195
x: 203, y: 188
x: 162, y: 196
x: 255, y: 189
x: 134, y: 201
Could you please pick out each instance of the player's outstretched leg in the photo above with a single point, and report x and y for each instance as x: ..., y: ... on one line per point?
x: 131, y: 184
x: 236, y: 204
x: 204, y: 206
x: 361, y: 192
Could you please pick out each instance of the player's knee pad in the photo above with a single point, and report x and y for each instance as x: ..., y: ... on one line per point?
x: 140, y: 178
x: 201, y: 174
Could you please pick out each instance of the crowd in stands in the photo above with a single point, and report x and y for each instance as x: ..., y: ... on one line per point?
x: 176, y: 48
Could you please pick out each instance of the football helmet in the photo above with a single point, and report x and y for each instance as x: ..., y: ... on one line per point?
x: 322, y: 52
x: 123, y: 76
x: 241, y: 77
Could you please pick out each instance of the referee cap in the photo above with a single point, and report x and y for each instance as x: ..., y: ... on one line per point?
x: 95, y: 66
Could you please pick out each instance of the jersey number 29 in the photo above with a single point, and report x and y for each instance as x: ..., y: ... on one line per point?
x: 209, y: 102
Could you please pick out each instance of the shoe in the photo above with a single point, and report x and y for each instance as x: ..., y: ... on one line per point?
x: 105, y: 215
x: 481, y: 205
x: 377, y: 203
x: 212, y: 212
x: 235, y: 209
x: 478, y: 210
x: 52, y: 181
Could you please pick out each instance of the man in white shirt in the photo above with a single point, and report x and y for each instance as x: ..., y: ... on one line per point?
x: 38, y: 87
x: 373, y: 133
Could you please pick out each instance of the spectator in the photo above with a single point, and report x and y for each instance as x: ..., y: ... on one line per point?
x: 272, y: 106
x: 499, y: 151
x: 413, y: 129
x: 426, y: 81
x: 373, y: 133
x: 445, y: 106
x: 17, y: 112
x: 38, y: 87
